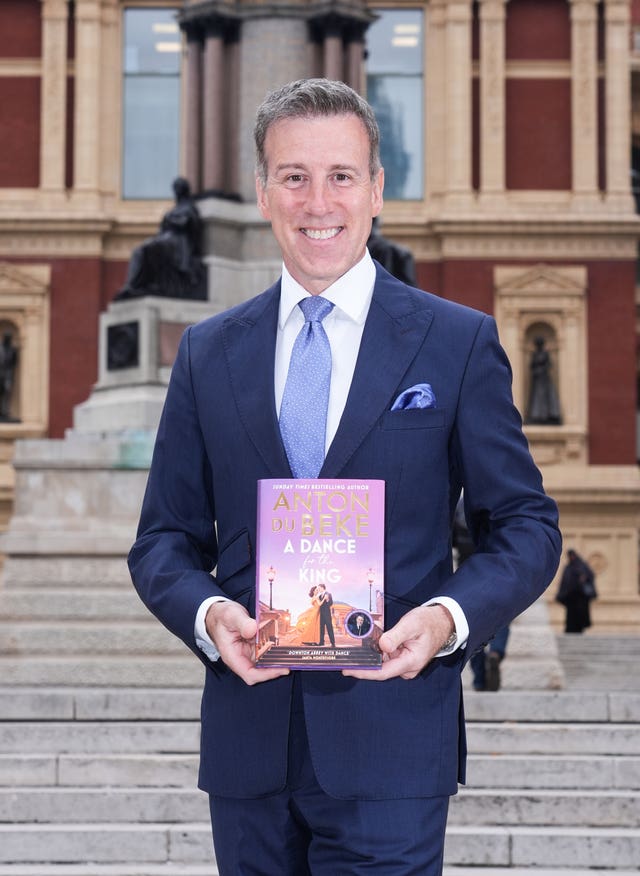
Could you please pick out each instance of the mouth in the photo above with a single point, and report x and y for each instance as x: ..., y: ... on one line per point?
x: 321, y: 233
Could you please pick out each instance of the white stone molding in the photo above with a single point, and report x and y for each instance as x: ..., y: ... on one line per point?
x: 24, y: 303
x: 555, y: 296
x: 53, y: 95
x: 618, y: 102
x: 86, y: 170
x: 492, y: 96
x: 584, y: 97
x: 457, y: 100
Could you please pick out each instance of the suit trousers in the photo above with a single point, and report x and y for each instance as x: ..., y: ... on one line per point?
x: 302, y: 831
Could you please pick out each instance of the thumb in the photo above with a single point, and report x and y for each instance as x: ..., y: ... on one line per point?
x: 247, y: 627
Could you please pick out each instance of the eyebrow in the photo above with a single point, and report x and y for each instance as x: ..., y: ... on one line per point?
x: 297, y: 168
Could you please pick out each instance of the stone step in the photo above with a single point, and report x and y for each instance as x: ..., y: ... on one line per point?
x: 164, y: 869
x: 169, y: 869
x: 69, y: 638
x: 104, y: 704
x: 90, y: 737
x: 579, y: 772
x: 81, y: 572
x: 536, y: 847
x: 103, y: 805
x: 60, y: 604
x: 602, y: 739
x: 102, y: 671
x: 103, y: 770
x: 123, y: 703
x: 180, y: 770
x: 495, y: 807
x: 593, y: 644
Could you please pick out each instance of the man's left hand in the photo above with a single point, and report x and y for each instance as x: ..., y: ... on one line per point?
x: 411, y: 644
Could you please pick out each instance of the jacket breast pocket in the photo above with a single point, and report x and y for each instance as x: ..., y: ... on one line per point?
x: 418, y: 418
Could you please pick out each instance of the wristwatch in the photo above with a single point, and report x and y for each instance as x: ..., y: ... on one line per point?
x: 451, y: 642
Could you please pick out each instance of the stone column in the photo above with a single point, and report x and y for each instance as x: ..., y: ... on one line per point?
x: 618, y: 103
x: 354, y: 61
x: 213, y: 108
x: 492, y: 96
x: 435, y: 78
x: 584, y: 98
x: 333, y: 52
x: 457, y: 97
x: 86, y: 173
x: 192, y: 114
x: 53, y: 101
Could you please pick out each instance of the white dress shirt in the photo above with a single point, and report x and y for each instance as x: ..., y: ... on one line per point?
x: 351, y: 296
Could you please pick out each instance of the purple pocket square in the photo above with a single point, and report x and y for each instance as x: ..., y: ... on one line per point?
x: 419, y: 396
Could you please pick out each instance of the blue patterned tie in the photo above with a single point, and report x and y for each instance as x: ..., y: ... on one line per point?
x: 303, y: 412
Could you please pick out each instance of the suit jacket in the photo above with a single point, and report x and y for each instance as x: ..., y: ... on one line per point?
x: 219, y: 434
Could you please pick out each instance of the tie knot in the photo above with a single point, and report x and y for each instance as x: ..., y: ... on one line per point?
x: 315, y: 308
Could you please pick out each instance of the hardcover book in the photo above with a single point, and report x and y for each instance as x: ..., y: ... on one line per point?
x: 320, y: 573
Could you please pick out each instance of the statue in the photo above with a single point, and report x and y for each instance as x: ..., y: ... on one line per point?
x: 544, y: 407
x: 170, y: 265
x: 397, y: 259
x: 8, y: 362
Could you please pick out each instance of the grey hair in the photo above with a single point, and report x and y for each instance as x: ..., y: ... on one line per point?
x: 310, y: 98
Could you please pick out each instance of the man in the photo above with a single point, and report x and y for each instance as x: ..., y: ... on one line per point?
x: 327, y: 772
x: 326, y: 620
x: 577, y: 589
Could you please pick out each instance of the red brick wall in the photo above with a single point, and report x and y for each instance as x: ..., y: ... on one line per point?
x: 20, y: 125
x: 75, y: 306
x: 538, y: 134
x: 612, y: 363
x: 611, y: 343
x: 20, y: 29
x: 538, y: 30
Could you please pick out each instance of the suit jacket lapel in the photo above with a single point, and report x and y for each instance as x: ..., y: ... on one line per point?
x: 395, y: 329
x: 249, y: 340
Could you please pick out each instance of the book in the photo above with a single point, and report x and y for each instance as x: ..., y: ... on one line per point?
x: 320, y: 573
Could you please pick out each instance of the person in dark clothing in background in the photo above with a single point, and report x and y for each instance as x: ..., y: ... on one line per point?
x: 577, y: 589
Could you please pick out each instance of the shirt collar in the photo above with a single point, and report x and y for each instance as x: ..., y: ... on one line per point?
x: 351, y: 292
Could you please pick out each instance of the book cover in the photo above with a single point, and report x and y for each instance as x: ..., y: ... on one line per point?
x: 320, y: 573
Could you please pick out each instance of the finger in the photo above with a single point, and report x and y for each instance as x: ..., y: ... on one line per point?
x: 402, y: 666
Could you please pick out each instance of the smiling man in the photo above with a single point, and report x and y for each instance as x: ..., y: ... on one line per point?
x: 339, y: 371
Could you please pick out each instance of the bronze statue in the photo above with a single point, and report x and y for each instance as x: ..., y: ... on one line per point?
x: 397, y: 259
x: 170, y: 264
x: 544, y: 406
x: 8, y: 363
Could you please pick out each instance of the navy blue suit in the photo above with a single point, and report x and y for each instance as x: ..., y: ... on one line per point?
x: 219, y: 434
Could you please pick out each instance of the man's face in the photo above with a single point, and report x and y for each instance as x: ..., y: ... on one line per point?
x: 319, y: 196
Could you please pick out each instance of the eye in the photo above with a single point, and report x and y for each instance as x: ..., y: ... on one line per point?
x: 342, y: 178
x: 294, y: 179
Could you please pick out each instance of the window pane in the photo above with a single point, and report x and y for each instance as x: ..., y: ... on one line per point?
x: 395, y: 91
x: 151, y: 136
x: 152, y: 41
x: 151, y: 102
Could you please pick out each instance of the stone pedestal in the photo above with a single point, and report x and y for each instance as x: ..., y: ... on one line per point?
x: 137, y: 346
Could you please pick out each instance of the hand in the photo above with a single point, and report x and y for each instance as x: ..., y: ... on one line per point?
x: 411, y: 644
x: 234, y: 634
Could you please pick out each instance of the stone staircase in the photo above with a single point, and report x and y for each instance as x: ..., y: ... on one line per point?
x: 99, y: 710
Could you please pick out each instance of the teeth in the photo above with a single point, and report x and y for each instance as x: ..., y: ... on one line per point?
x: 321, y: 233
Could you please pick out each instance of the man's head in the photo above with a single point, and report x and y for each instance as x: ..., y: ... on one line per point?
x: 318, y: 179
x: 311, y: 98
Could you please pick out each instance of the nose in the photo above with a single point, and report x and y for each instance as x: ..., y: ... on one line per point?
x: 318, y: 197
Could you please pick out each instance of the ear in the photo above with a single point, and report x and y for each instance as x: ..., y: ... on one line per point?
x: 376, y: 193
x: 263, y: 201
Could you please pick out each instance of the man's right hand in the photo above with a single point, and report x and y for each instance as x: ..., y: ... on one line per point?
x: 234, y: 632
